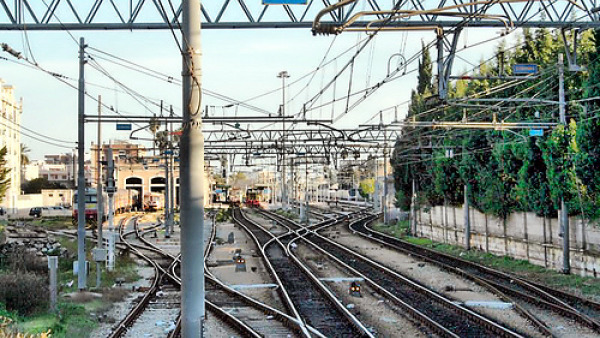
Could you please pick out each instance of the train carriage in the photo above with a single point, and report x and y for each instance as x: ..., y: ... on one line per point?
x: 124, y: 201
x: 153, y: 201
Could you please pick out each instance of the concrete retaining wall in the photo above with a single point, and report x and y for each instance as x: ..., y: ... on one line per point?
x: 522, y: 236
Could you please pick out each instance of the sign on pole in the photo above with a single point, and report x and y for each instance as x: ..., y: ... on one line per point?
x: 536, y: 132
x: 123, y: 126
x: 284, y: 2
x: 525, y: 69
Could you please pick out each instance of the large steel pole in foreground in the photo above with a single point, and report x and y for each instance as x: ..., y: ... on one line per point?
x: 81, y: 271
x: 192, y: 177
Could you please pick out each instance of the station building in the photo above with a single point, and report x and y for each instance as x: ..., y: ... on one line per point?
x: 140, y: 169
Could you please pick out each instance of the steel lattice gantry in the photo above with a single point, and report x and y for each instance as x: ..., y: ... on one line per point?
x: 227, y: 14
x: 324, y: 142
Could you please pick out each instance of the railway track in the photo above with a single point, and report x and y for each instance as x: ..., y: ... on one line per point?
x: 518, y: 289
x: 251, y: 319
x: 247, y: 320
x: 306, y: 297
x: 441, y: 315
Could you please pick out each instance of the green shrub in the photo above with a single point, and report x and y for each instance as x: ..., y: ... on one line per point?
x: 24, y: 292
x: 20, y: 259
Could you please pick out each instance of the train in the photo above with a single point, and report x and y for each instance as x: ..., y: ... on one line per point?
x: 125, y: 200
x: 153, y: 201
x: 338, y: 194
x: 253, y: 197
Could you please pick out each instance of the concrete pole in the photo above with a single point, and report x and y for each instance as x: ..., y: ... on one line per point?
x: 564, y: 212
x: 467, y: 219
x: 192, y: 177
x: 53, y: 267
x: 99, y: 202
x: 110, y: 188
x: 82, y: 273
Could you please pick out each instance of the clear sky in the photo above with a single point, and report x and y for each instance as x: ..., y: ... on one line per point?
x: 240, y: 64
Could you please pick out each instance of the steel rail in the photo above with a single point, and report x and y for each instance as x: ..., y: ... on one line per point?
x: 126, y: 322
x: 237, y: 323
x: 491, y: 326
x: 560, y: 302
x: 357, y: 326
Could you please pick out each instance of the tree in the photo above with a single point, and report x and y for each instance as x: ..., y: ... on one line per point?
x: 36, y: 185
x: 425, y: 71
x: 4, y: 171
x: 24, y: 157
x: 367, y: 187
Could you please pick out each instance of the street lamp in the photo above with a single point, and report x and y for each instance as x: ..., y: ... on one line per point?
x: 284, y: 197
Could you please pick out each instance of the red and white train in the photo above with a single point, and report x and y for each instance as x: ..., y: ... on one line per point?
x: 125, y: 200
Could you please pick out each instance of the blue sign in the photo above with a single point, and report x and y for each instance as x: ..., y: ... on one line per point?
x: 536, y: 132
x: 525, y: 69
x: 284, y: 2
x: 123, y: 126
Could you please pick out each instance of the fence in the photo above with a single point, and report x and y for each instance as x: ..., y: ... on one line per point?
x: 521, y: 235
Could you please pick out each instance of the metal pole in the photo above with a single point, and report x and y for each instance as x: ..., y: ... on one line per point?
x: 385, y: 186
x: 467, y: 219
x: 413, y: 219
x: 81, y: 273
x: 172, y: 183
x: 564, y: 212
x: 165, y: 151
x: 167, y: 200
x: 284, y: 193
x: 440, y: 64
x: 110, y: 189
x: 306, y: 195
x: 99, y: 204
x: 192, y: 177
x: 376, y: 192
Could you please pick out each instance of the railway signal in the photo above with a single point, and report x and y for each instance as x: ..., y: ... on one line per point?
x: 240, y: 264
x: 354, y: 289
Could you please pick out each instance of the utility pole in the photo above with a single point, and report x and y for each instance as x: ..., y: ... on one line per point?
x: 467, y: 220
x: 192, y: 176
x: 172, y: 181
x: 99, y: 204
x: 564, y: 212
x: 81, y: 272
x: 413, y: 213
x: 165, y: 150
x: 110, y: 190
x: 284, y: 196
x: 306, y: 195
x: 385, y: 186
x: 376, y: 192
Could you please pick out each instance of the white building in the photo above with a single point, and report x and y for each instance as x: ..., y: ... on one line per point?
x: 10, y: 137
